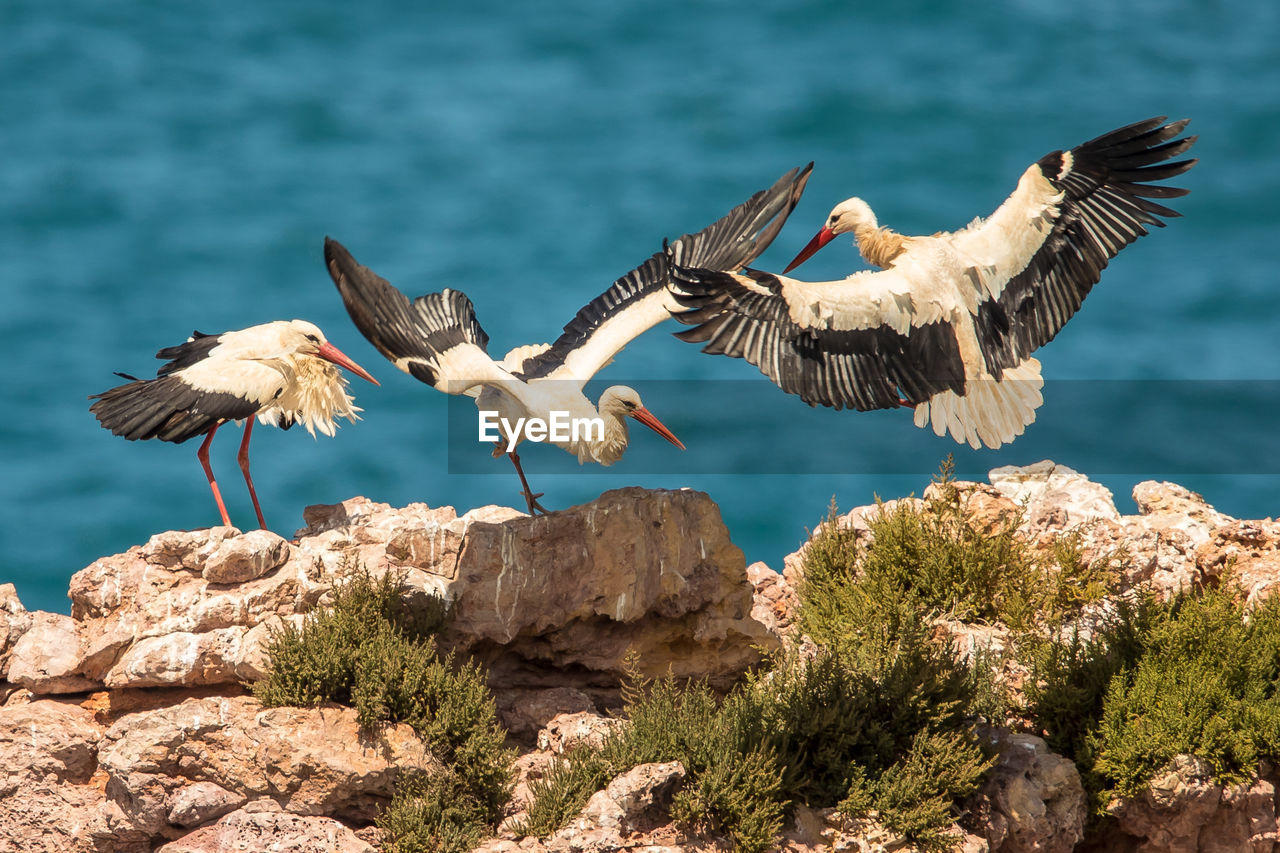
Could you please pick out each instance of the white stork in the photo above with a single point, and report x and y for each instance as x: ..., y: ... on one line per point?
x: 436, y: 338
x: 949, y: 323
x: 283, y: 372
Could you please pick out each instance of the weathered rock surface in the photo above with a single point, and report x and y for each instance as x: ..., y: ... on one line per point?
x: 1038, y: 801
x: 266, y: 830
x: 653, y: 571
x: 1184, y: 811
x: 169, y: 753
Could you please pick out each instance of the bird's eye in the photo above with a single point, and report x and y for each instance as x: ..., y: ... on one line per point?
x: 313, y: 339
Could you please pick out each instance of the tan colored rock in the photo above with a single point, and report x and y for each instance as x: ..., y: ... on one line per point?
x: 1183, y: 809
x: 1170, y: 813
x: 649, y: 570
x: 201, y: 802
x: 309, y: 760
x: 1168, y: 505
x: 46, y: 658
x: 1054, y: 495
x: 46, y: 740
x: 245, y: 557
x: 774, y: 600
x: 1037, y: 798
x: 635, y: 801
x: 54, y: 817
x: 568, y: 731
x: 14, y: 622
x: 523, y: 712
x: 1249, y: 550
x: 262, y: 831
x: 180, y: 658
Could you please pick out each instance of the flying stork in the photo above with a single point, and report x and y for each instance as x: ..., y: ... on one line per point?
x: 437, y: 339
x: 283, y: 372
x: 949, y: 322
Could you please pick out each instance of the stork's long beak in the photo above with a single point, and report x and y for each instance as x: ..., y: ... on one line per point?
x: 331, y: 353
x: 646, y: 417
x: 822, y: 238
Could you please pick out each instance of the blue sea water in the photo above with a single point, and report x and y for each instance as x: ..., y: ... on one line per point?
x: 169, y: 167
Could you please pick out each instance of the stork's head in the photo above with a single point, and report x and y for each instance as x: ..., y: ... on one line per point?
x: 306, y: 338
x: 850, y: 215
x: 620, y: 400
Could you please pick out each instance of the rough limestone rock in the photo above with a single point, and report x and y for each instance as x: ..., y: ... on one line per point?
x: 170, y: 754
x: 201, y: 802
x: 46, y: 658
x: 653, y: 571
x: 47, y: 758
x: 46, y: 740
x: 524, y: 712
x: 1037, y: 798
x: 1054, y: 494
x: 14, y: 622
x: 635, y: 801
x: 649, y: 571
x: 246, y: 557
x: 1183, y: 810
x: 569, y: 731
x: 1249, y: 550
x: 265, y: 830
x: 310, y: 761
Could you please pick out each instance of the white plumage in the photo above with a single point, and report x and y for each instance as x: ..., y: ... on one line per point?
x: 437, y: 339
x: 283, y: 372
x: 948, y: 324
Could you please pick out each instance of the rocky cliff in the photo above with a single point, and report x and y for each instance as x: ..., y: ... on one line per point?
x: 126, y: 726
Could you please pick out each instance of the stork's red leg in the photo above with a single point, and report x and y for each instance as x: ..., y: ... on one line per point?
x: 243, y: 456
x: 530, y: 498
x: 203, y: 455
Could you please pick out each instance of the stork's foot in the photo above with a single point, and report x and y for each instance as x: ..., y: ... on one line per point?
x: 906, y: 404
x: 531, y: 499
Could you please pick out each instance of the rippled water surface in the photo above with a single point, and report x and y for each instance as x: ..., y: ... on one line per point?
x: 168, y: 167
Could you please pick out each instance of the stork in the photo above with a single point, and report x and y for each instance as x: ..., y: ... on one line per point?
x: 437, y: 339
x: 949, y: 323
x: 283, y: 372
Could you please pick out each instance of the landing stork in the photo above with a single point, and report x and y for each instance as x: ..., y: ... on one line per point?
x: 948, y: 325
x: 436, y: 338
x: 283, y: 372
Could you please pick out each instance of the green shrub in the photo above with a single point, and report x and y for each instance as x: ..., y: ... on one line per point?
x: 370, y: 649
x: 1191, y: 675
x: 732, y: 785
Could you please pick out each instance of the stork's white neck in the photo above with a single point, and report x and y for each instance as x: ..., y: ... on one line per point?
x: 613, y: 412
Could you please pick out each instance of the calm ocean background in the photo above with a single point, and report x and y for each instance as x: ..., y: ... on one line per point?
x: 168, y: 167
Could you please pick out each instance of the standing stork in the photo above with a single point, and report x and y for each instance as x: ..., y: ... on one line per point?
x: 949, y: 323
x: 283, y: 372
x: 436, y: 338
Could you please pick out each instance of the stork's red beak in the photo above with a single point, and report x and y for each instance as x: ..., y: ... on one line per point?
x: 646, y: 417
x: 331, y: 353
x: 822, y: 238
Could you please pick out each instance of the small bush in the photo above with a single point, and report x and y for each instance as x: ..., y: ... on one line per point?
x: 371, y: 650
x: 433, y: 814
x: 733, y: 785
x: 1191, y: 675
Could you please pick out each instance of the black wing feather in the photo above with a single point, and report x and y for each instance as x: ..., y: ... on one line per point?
x: 420, y: 330
x: 861, y: 369
x: 729, y: 243
x: 1105, y: 207
x: 166, y: 408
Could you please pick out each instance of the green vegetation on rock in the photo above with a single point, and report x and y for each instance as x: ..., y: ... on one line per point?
x: 371, y: 649
x: 1196, y: 675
